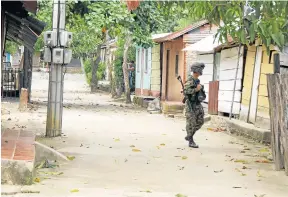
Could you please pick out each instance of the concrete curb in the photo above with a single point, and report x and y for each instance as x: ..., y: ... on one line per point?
x: 44, y: 152
x: 241, y: 128
x: 17, y: 172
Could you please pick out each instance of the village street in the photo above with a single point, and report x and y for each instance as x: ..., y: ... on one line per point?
x: 121, y: 150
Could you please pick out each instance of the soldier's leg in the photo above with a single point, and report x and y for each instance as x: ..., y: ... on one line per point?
x: 189, y: 126
x: 199, y: 119
x: 197, y: 123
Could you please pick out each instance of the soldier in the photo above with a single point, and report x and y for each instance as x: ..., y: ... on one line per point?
x: 194, y: 116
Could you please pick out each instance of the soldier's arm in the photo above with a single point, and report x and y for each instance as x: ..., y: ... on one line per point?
x: 189, y: 87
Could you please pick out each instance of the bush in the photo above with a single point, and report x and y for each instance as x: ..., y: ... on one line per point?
x: 88, y: 70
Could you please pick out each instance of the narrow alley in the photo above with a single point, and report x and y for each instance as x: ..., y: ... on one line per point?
x: 121, y: 150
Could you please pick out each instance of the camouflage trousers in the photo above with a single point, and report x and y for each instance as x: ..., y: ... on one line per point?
x: 194, y: 119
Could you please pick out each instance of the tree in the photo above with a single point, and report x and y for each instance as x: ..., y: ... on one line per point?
x: 10, y: 47
x: 268, y: 21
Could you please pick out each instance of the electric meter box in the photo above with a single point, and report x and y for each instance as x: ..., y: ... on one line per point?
x: 67, y: 56
x: 50, y: 38
x: 65, y: 38
x: 47, y: 55
x: 58, y: 56
x: 62, y: 56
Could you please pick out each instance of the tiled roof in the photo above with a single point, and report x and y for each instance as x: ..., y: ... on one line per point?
x: 181, y: 32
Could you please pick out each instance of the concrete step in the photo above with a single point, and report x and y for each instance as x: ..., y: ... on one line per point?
x: 17, y: 157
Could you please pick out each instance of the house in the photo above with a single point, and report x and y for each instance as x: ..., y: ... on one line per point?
x: 148, y: 71
x: 107, y: 51
x: 250, y: 98
x: 255, y: 103
x: 221, y: 66
x: 176, y: 62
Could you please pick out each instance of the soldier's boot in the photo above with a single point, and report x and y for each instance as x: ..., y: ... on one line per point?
x: 192, y: 144
x: 187, y: 138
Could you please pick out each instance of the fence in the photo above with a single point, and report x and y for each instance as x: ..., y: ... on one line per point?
x: 11, y: 80
x: 278, y: 101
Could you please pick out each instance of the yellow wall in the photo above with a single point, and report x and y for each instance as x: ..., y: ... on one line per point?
x: 155, y: 70
x: 247, y: 82
x: 263, y: 117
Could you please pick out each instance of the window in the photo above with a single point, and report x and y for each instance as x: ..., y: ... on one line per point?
x: 146, y: 60
x: 176, y: 65
x: 138, y: 62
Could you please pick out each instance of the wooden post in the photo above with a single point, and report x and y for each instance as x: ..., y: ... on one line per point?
x: 278, y: 101
x: 276, y: 63
x: 23, y: 99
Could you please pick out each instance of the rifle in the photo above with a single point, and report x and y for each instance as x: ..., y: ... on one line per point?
x: 185, y: 96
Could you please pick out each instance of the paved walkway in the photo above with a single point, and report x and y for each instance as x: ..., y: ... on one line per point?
x: 123, y: 151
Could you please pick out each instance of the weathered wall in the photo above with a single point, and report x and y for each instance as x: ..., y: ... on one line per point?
x: 247, y: 82
x: 228, y: 68
x: 263, y: 117
x: 155, y: 71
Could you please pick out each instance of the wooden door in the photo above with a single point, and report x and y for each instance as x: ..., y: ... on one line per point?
x: 255, y: 86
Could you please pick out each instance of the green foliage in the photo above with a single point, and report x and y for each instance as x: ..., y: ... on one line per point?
x: 118, y: 70
x: 44, y: 14
x: 11, y: 47
x: 88, y: 70
x: 268, y: 22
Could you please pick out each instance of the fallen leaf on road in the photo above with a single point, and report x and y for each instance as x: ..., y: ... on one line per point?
x: 158, y: 147
x: 259, y: 173
x: 162, y: 144
x: 246, y: 149
x: 132, y: 146
x: 177, y: 156
x: 242, y: 151
x: 117, y: 140
x: 262, y: 195
x: 136, y: 150
x: 74, y: 190
x: 243, y: 174
x: 244, y: 167
x: 238, y: 170
x: 241, y: 161
x: 184, y: 157
x: 71, y: 158
x: 264, y: 150
x: 236, y: 187
x: 147, y: 191
x: 263, y: 161
x: 218, y: 171
x: 52, y: 173
x: 37, y: 180
x: 180, y: 195
x: 163, y: 134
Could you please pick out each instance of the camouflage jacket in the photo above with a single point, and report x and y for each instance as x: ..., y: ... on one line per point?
x: 190, y: 89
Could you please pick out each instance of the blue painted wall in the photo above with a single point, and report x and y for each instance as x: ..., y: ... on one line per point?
x: 143, y: 68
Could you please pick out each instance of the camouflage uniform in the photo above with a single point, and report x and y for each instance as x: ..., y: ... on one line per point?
x: 195, y: 116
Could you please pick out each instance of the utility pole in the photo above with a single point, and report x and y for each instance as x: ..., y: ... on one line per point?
x: 57, y: 54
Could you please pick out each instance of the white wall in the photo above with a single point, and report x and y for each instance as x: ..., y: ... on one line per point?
x: 208, y: 60
x: 228, y: 67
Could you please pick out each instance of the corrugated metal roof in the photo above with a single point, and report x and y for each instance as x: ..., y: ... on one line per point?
x: 24, y: 31
x: 193, y: 38
x: 157, y: 36
x: 182, y: 32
